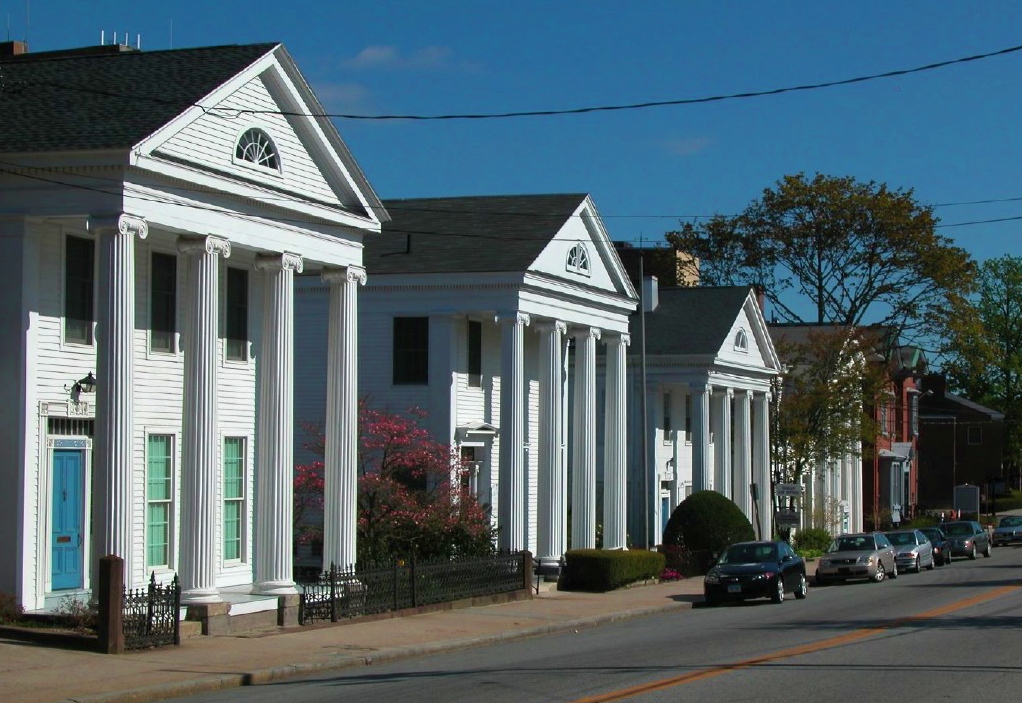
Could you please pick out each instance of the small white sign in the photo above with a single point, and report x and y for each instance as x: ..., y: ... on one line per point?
x: 788, y: 490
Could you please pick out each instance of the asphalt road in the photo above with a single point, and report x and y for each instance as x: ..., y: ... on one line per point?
x: 949, y: 634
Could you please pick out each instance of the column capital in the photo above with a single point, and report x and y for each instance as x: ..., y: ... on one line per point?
x: 208, y: 244
x: 513, y: 318
x: 348, y: 274
x: 551, y: 326
x: 586, y: 332
x: 119, y: 222
x: 616, y: 339
x: 286, y: 261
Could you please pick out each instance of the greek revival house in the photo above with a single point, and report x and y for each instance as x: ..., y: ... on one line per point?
x: 479, y: 310
x: 154, y: 210
x: 709, y: 369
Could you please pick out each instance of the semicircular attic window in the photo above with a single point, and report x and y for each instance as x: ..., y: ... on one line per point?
x: 741, y: 341
x: 256, y: 147
x: 578, y: 260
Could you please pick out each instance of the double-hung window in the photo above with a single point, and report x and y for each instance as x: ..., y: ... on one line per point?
x: 236, y: 314
x: 79, y: 287
x: 163, y: 302
x: 475, y: 354
x: 159, y: 498
x: 411, y: 351
x: 234, y: 497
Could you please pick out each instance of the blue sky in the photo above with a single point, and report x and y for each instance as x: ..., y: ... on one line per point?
x: 951, y: 134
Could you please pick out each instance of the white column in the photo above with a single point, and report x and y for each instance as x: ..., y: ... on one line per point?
x: 115, y: 423
x: 743, y: 453
x: 340, y: 465
x: 615, y: 468
x: 722, y: 442
x: 274, y: 480
x: 511, y: 489
x: 678, y: 410
x: 761, y: 463
x: 856, y: 493
x: 200, y: 443
x: 552, y: 496
x: 700, y: 437
x: 846, y: 486
x: 583, y: 489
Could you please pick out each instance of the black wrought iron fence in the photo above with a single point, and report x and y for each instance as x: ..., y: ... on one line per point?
x: 338, y: 594
x: 152, y: 615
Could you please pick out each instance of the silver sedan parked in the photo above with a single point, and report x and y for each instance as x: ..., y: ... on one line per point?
x: 913, y: 550
x: 862, y: 555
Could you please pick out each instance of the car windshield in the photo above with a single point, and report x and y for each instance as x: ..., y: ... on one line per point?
x: 1010, y: 521
x: 959, y: 529
x: 932, y: 534
x: 857, y: 543
x: 900, y: 538
x: 749, y: 554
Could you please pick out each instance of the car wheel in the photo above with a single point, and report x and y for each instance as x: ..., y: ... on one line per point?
x: 932, y: 564
x: 711, y: 601
x: 893, y: 574
x: 947, y: 557
x: 802, y: 589
x: 821, y: 580
x: 986, y: 552
x: 919, y: 565
x: 880, y: 574
x: 778, y: 595
x: 972, y: 554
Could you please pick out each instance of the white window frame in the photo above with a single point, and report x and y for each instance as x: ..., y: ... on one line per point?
x: 242, y: 501
x: 176, y: 343
x: 64, y: 343
x: 170, y: 501
x: 277, y: 172
x: 578, y: 260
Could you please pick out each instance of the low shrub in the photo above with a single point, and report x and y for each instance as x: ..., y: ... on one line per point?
x: 705, y: 524
x: 811, y: 539
x: 606, y: 569
x: 10, y: 610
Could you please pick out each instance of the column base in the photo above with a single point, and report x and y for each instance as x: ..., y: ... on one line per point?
x: 549, y: 568
x: 201, y: 595
x: 275, y: 588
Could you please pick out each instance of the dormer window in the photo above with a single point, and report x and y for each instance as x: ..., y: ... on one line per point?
x: 578, y: 260
x: 741, y: 341
x: 256, y: 147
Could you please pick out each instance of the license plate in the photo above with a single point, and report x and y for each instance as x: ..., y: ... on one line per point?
x: 734, y: 588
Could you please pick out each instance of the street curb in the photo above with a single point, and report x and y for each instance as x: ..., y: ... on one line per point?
x: 275, y: 674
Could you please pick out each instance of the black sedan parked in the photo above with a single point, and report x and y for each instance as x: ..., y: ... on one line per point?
x: 968, y: 538
x: 941, y: 544
x: 756, y: 570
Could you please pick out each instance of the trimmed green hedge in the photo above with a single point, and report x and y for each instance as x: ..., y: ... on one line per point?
x: 606, y: 569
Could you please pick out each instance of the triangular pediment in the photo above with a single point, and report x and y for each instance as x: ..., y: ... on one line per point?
x: 311, y: 169
x: 748, y: 342
x: 581, y: 253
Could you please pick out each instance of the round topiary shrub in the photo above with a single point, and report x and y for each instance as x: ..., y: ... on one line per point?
x: 707, y: 523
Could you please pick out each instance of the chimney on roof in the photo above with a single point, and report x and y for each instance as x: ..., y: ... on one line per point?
x: 650, y: 293
x: 13, y: 48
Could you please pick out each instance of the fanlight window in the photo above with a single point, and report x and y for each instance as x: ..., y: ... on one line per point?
x: 255, y: 146
x: 578, y: 260
x: 741, y: 341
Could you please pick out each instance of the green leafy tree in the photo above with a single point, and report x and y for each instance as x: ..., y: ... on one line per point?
x: 833, y: 250
x: 983, y: 350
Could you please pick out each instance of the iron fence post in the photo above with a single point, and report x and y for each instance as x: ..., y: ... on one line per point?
x: 176, y: 585
x: 411, y: 577
x: 333, y: 592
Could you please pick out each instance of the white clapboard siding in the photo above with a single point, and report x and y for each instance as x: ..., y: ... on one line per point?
x: 211, y: 140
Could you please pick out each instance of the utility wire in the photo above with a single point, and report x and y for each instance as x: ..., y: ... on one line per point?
x: 236, y: 112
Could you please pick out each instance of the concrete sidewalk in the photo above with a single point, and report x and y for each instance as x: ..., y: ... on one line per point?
x: 31, y: 673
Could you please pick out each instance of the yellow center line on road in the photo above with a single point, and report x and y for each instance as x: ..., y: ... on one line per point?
x: 830, y: 643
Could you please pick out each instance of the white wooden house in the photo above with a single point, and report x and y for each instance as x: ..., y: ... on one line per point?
x: 154, y: 209
x: 710, y: 365
x: 469, y: 310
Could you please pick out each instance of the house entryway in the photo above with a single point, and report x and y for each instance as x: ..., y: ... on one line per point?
x: 67, y: 527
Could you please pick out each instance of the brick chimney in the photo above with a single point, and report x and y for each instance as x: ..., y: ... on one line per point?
x: 13, y: 48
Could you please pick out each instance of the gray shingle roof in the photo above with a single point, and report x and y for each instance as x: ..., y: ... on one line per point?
x: 475, y: 234
x: 695, y: 320
x: 61, y: 102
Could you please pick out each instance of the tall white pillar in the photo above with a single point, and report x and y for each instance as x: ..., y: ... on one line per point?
x: 583, y: 489
x: 274, y: 480
x: 856, y: 493
x: 615, y: 467
x: 200, y: 441
x: 511, y: 489
x: 340, y: 463
x: 700, y: 437
x: 552, y: 496
x: 678, y: 410
x: 743, y: 453
x: 722, y: 442
x: 762, y: 474
x: 115, y: 423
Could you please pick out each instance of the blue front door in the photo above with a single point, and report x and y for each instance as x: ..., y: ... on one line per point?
x: 68, y: 477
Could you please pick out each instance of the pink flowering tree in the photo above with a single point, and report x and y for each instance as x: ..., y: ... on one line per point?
x: 411, y: 498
